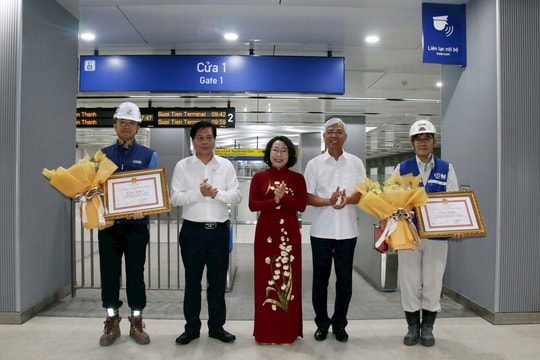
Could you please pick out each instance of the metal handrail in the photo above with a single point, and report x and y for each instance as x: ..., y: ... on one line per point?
x: 163, y: 265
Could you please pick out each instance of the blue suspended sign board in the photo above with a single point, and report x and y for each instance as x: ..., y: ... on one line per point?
x: 444, y: 32
x: 212, y: 73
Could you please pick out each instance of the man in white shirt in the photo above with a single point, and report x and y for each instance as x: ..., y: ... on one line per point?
x: 204, y: 185
x: 331, y: 180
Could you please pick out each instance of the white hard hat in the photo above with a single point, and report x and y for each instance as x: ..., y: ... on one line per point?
x: 128, y: 111
x: 422, y: 127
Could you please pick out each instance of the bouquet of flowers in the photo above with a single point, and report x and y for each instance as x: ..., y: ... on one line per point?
x: 83, y: 182
x: 393, y: 202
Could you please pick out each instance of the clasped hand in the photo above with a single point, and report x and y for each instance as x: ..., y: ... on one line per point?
x: 338, y: 199
x: 207, y: 189
x: 279, y: 192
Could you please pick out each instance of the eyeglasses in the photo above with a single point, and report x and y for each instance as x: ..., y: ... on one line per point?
x: 126, y: 122
x: 336, y: 133
x: 282, y: 151
x: 423, y: 139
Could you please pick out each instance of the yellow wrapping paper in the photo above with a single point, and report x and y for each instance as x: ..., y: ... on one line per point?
x: 83, y: 182
x: 394, y: 202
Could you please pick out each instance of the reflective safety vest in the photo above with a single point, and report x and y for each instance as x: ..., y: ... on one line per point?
x: 436, y: 181
x: 136, y: 157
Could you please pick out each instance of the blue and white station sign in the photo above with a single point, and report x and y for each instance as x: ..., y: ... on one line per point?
x: 444, y: 33
x: 212, y: 73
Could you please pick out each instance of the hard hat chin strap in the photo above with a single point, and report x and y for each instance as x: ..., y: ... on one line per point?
x: 425, y: 158
x: 125, y: 142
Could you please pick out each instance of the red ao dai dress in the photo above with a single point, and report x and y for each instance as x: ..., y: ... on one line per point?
x: 278, y: 256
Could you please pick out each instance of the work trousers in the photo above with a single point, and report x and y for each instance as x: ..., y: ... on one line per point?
x: 341, y: 252
x: 203, y: 245
x: 130, y: 241
x: 420, y: 273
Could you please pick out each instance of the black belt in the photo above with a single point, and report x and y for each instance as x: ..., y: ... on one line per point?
x: 207, y: 225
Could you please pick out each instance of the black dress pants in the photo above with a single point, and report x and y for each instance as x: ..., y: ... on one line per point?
x: 205, y: 244
x: 341, y: 252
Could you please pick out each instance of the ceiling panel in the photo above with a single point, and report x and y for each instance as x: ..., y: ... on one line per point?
x: 387, y: 83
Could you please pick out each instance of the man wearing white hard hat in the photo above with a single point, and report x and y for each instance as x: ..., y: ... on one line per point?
x: 421, y: 270
x: 126, y: 237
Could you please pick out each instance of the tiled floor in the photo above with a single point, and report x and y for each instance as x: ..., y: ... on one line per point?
x: 63, y: 338
x: 366, y: 304
x: 70, y: 329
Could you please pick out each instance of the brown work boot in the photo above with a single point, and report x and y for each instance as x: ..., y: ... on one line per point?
x: 111, y: 331
x: 136, y: 330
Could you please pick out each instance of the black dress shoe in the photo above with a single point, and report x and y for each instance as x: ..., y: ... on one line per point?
x: 186, y: 338
x: 222, y: 335
x: 320, y: 334
x: 341, y: 335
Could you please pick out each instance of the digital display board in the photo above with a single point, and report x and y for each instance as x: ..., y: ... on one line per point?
x: 159, y: 117
x: 173, y: 117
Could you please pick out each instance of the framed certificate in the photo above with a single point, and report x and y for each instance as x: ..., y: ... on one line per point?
x: 138, y: 190
x: 448, y: 213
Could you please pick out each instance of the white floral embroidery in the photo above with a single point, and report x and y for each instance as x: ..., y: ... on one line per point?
x: 281, y: 282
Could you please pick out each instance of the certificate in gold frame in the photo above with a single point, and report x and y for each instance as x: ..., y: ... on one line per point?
x: 449, y: 213
x: 137, y: 190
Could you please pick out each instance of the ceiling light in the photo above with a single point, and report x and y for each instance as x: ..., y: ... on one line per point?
x: 439, y: 84
x: 88, y: 36
x: 372, y: 39
x: 230, y: 36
